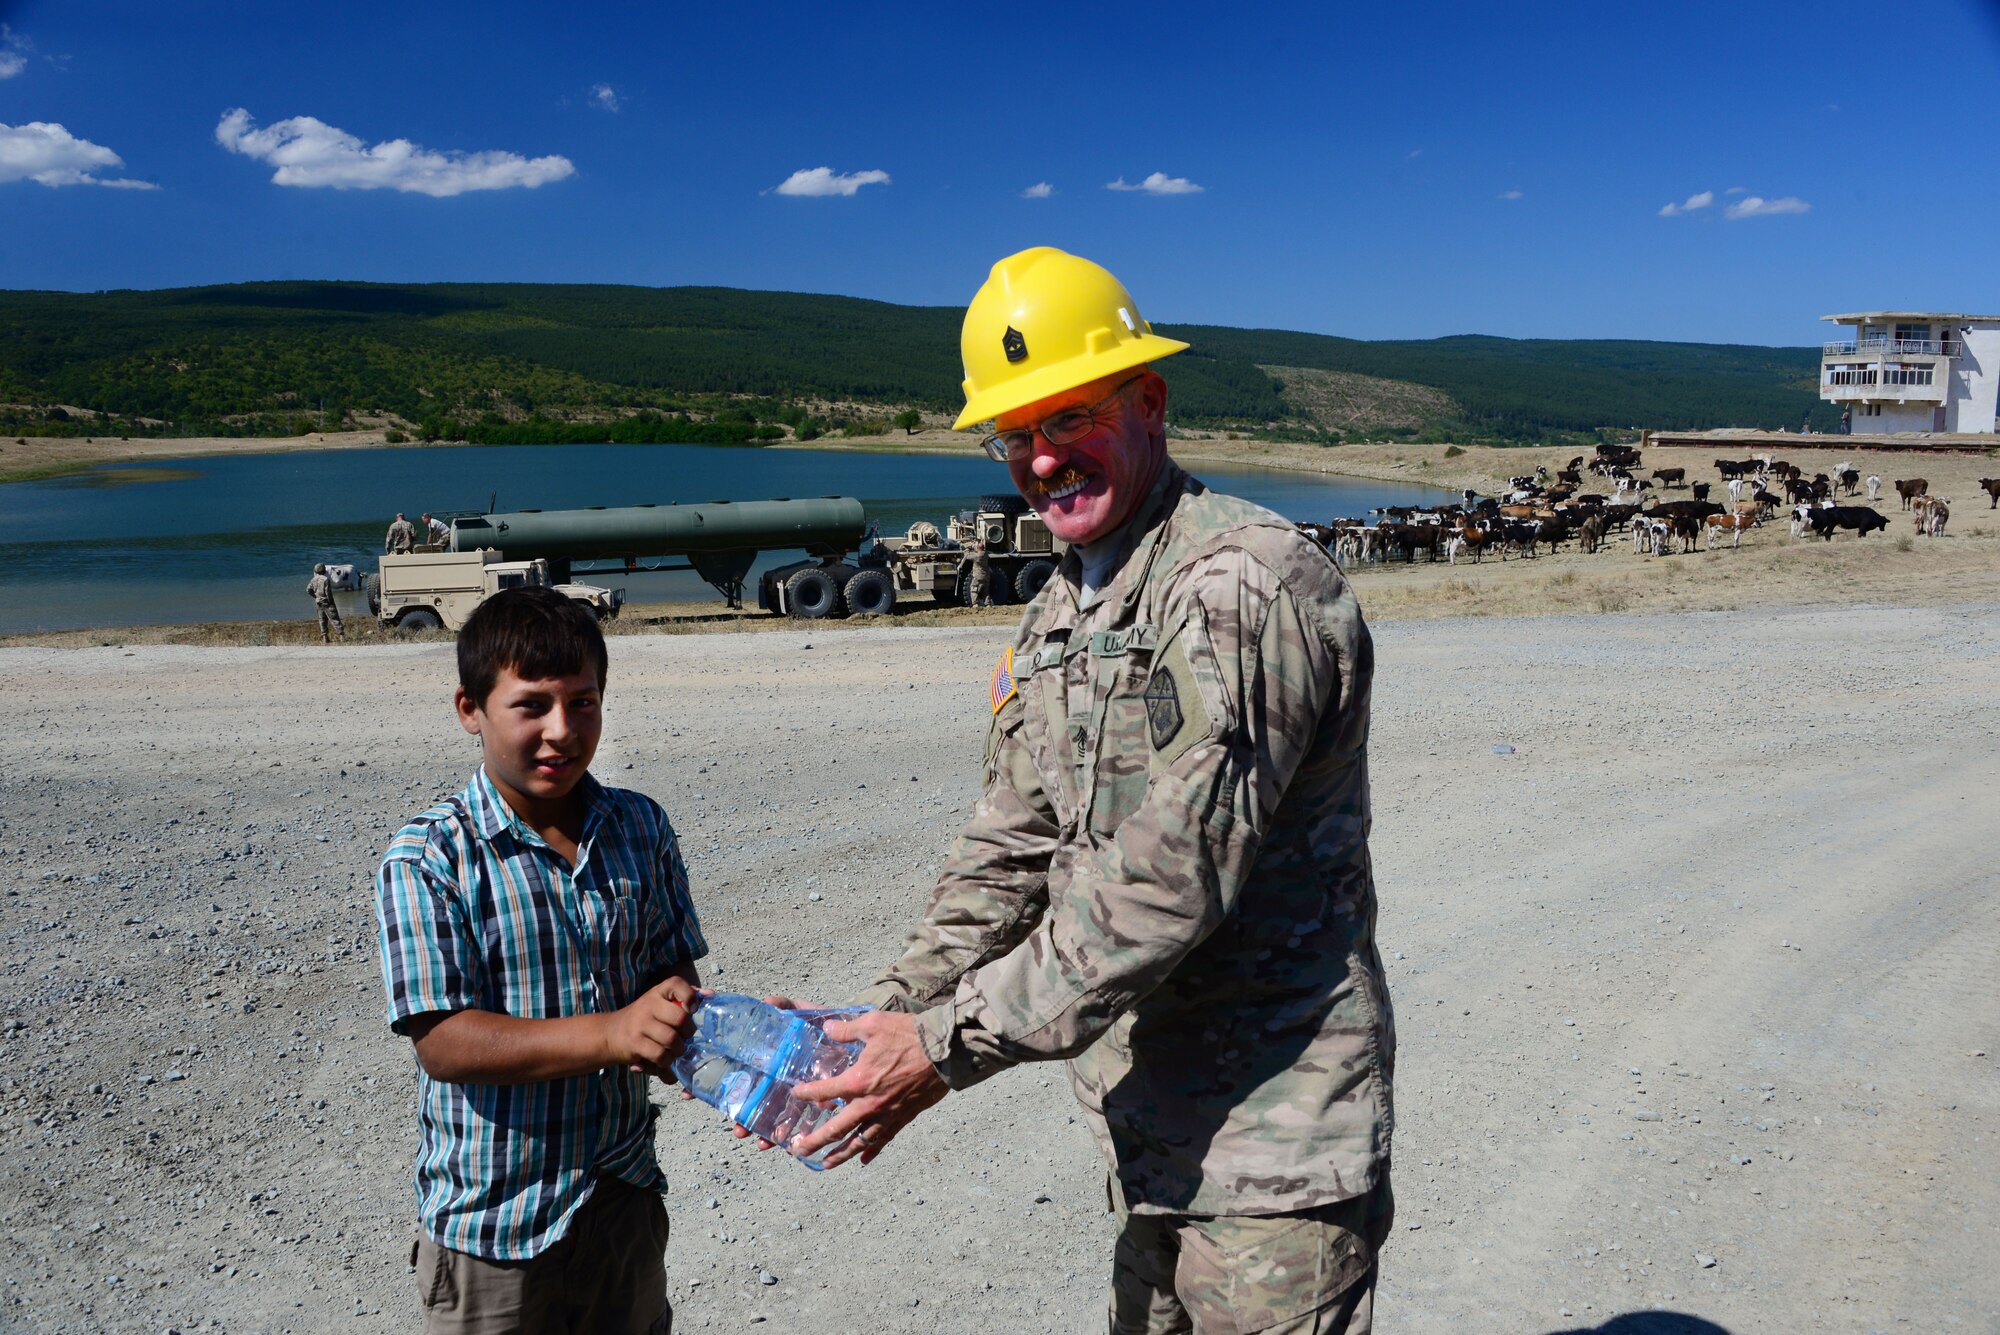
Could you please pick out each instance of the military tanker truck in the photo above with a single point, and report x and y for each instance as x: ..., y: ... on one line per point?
x: 925, y: 561
x: 440, y: 585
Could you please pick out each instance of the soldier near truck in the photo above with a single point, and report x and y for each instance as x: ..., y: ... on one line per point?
x: 402, y: 535
x: 979, y: 577
x: 320, y: 589
x: 1166, y: 881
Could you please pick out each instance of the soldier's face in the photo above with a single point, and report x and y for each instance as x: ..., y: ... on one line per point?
x: 537, y: 738
x: 1084, y: 490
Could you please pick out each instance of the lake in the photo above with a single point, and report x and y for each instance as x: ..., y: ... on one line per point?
x: 231, y: 539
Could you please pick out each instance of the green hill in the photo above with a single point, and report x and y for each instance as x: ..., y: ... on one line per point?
x: 535, y: 361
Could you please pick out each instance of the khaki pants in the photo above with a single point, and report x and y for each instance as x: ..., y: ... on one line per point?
x: 1311, y: 1273
x: 608, y: 1274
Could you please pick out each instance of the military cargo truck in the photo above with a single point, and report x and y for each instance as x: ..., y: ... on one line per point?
x: 924, y: 562
x: 428, y: 589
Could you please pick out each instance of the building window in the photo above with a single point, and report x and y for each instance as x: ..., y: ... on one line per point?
x: 1871, y: 410
x: 1919, y: 333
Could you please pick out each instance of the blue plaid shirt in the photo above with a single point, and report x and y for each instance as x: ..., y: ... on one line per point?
x: 477, y: 912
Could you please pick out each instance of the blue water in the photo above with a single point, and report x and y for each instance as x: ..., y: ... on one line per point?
x: 229, y: 539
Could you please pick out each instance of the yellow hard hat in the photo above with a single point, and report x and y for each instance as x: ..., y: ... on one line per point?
x: 1046, y: 321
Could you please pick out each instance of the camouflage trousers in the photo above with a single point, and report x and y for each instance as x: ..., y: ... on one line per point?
x: 1310, y: 1273
x: 329, y: 613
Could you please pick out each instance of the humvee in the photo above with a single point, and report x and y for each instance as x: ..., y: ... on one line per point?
x: 428, y: 589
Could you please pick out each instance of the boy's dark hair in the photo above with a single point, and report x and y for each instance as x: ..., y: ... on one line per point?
x: 535, y: 631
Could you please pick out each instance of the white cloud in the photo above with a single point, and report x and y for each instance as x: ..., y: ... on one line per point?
x: 50, y: 155
x: 1159, y: 183
x: 1693, y: 202
x: 1755, y: 206
x: 1510, y: 194
x: 604, y: 96
x: 13, y: 52
x: 1414, y: 153
x: 1039, y: 190
x: 1737, y: 190
x: 820, y: 182
x: 309, y: 152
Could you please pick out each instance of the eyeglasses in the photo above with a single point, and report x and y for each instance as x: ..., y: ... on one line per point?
x: 1064, y: 428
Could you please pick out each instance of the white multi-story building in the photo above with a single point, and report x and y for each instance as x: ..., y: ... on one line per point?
x: 1914, y: 371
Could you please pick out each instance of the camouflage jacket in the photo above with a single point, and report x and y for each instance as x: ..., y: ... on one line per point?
x: 1166, y: 880
x: 320, y: 587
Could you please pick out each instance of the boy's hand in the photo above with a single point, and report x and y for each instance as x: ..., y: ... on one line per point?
x: 653, y: 1030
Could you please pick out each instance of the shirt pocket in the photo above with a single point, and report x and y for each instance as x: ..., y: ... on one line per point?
x: 618, y: 947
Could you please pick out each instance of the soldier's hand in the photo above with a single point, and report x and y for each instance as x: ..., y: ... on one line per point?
x: 887, y: 1086
x: 649, y: 1033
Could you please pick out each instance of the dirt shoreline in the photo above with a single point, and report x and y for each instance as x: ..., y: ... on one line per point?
x: 1894, y: 568
x: 1693, y: 986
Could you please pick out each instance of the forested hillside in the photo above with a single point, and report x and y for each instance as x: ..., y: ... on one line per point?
x: 531, y: 361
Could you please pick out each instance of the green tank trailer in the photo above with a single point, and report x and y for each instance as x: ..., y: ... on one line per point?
x: 718, y: 541
x: 849, y: 567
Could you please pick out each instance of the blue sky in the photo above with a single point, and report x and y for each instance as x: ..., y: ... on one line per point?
x: 1390, y: 171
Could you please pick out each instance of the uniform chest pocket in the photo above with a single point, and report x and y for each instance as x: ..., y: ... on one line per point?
x: 1167, y: 700
x: 1112, y: 741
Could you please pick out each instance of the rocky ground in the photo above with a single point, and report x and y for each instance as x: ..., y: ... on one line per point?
x: 1694, y: 986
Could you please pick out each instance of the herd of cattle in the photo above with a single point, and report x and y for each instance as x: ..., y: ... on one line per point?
x: 1539, y: 511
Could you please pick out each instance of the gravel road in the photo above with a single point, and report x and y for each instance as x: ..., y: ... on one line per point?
x: 1695, y: 987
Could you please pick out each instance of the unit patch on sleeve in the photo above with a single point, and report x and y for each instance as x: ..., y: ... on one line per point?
x: 1163, y: 707
x: 1003, y: 684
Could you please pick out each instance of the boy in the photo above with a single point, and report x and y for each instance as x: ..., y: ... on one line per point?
x: 539, y: 949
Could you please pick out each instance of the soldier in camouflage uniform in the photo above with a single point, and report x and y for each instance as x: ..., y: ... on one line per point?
x: 1166, y: 881
x: 979, y: 579
x: 320, y: 589
x: 402, y: 535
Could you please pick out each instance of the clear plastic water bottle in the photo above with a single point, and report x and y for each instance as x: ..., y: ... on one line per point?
x: 745, y: 1057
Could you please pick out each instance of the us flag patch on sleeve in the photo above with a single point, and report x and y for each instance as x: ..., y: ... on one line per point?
x: 1003, y: 679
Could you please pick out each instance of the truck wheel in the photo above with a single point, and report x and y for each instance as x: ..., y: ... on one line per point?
x: 811, y: 593
x: 871, y: 593
x: 371, y: 589
x: 1029, y: 580
x: 419, y: 618
x: 1005, y: 502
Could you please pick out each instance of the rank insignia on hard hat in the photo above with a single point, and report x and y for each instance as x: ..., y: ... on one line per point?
x: 1014, y: 345
x: 1003, y: 684
x: 1163, y: 707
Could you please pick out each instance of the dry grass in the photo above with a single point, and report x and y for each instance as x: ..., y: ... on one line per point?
x: 1343, y: 401
x: 1769, y: 570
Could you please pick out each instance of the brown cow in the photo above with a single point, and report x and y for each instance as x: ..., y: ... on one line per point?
x: 1468, y: 537
x: 1992, y: 487
x: 1911, y: 488
x: 1671, y: 477
x: 1591, y: 531
x: 1730, y: 524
